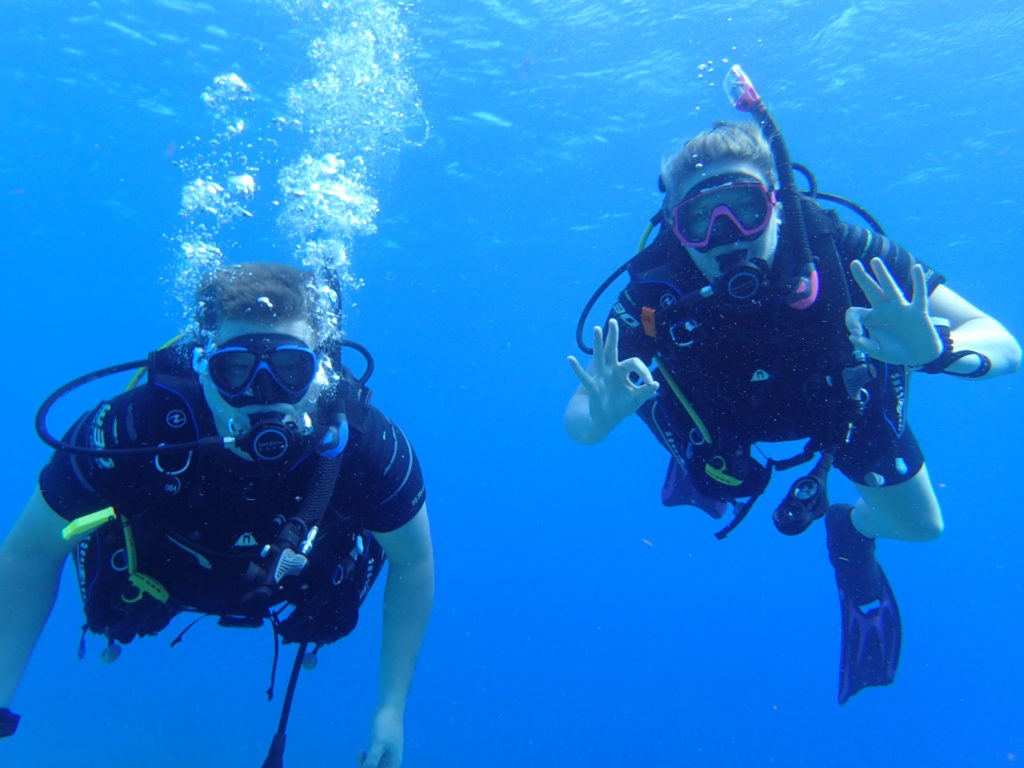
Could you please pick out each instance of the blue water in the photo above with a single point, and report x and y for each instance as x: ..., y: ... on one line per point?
x: 578, y: 622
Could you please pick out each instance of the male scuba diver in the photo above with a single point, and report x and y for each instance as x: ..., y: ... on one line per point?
x: 248, y: 478
x: 756, y: 315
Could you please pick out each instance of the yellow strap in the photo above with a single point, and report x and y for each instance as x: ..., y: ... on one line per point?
x: 87, y: 523
x: 144, y: 583
x: 148, y: 585
x: 719, y: 475
x: 683, y: 401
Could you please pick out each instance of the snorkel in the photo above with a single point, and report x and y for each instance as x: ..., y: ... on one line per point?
x: 803, y: 289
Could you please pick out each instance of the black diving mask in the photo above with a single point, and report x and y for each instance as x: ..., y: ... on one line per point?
x: 260, y: 369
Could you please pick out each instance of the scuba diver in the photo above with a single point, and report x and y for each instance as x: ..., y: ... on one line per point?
x: 756, y: 315
x: 249, y: 478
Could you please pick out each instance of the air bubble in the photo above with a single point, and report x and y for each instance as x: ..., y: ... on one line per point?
x: 344, y: 125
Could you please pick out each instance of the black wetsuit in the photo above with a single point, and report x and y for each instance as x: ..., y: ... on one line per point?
x: 199, y: 520
x: 768, y: 372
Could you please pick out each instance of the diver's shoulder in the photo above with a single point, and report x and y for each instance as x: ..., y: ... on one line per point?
x: 372, y: 427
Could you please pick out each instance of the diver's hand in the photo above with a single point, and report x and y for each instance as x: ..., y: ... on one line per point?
x: 615, y: 389
x: 893, y: 330
x: 387, y: 736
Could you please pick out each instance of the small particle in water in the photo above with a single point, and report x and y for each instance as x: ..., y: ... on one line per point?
x: 493, y: 119
x: 266, y: 302
x: 648, y: 542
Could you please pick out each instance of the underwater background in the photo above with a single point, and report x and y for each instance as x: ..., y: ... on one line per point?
x: 510, y: 151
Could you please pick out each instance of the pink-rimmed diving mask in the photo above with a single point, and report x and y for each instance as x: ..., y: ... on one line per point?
x: 702, y: 221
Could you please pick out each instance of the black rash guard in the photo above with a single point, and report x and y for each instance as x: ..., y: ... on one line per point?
x: 380, y: 485
x: 200, y: 519
x: 769, y: 373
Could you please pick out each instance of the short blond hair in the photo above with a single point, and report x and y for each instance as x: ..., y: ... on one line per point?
x: 725, y: 141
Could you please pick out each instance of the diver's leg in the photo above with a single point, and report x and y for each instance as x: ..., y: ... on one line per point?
x: 871, y: 630
x: 907, y: 511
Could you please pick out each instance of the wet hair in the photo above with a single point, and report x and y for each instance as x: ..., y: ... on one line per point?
x: 262, y: 292
x: 725, y: 141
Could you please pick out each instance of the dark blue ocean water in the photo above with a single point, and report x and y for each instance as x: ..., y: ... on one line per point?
x: 578, y: 622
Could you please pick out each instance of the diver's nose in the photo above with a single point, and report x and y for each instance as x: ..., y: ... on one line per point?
x: 264, y: 389
x: 723, y: 231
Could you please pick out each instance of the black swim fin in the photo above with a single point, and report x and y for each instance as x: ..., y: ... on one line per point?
x: 872, y: 634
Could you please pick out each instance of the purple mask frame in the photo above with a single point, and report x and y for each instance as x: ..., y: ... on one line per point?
x: 723, y: 209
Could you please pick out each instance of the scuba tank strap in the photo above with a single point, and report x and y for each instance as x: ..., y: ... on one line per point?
x: 177, y: 411
x: 855, y: 369
x: 355, y: 398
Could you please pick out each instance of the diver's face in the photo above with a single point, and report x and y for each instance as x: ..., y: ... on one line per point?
x: 260, y: 368
x: 729, y: 246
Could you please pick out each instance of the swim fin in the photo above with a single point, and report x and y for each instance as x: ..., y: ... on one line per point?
x: 871, y: 628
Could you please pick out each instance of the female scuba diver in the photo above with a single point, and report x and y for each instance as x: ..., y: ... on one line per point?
x: 757, y: 315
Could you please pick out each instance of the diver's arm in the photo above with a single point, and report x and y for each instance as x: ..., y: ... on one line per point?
x: 408, y: 597
x: 607, y: 393
x: 972, y: 329
x: 31, y: 560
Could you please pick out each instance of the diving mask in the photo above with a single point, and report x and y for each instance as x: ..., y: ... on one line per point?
x: 725, y: 209
x: 260, y: 369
